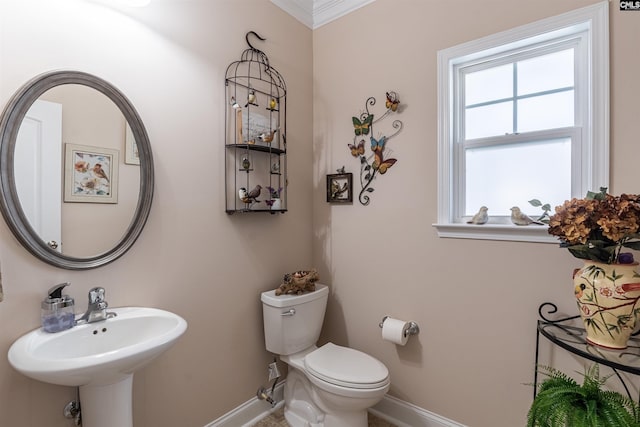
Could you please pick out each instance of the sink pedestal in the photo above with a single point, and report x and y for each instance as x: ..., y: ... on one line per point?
x: 107, y: 405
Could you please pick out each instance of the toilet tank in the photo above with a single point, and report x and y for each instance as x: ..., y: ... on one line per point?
x: 292, y: 323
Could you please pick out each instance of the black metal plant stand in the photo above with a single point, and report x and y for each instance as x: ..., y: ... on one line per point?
x: 569, y: 333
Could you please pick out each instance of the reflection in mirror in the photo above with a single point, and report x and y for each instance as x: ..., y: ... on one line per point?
x: 62, y: 117
x: 76, y: 170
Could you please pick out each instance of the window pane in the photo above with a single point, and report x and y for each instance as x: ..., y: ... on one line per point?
x: 488, y: 85
x: 489, y: 120
x: 545, y: 112
x: 547, y: 72
x: 501, y: 177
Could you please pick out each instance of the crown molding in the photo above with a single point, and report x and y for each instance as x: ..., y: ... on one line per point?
x: 315, y: 13
x: 325, y: 11
x: 302, y: 10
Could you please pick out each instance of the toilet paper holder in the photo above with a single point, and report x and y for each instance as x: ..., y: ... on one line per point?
x: 413, y: 328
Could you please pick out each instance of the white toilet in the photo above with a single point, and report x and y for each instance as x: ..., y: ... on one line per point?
x: 330, y: 386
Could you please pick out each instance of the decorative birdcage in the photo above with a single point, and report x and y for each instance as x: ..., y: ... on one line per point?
x: 256, y: 128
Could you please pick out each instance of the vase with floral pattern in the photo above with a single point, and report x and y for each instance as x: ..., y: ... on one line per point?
x: 608, y: 299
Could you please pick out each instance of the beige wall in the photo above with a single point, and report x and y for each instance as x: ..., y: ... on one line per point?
x: 475, y: 301
x: 192, y: 258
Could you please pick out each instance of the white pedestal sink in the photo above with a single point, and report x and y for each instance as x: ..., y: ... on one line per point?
x: 99, y: 358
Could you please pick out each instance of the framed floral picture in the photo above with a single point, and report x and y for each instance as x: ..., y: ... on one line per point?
x: 339, y: 188
x: 90, y: 174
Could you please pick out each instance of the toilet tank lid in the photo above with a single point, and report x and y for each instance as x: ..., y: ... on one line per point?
x: 270, y: 298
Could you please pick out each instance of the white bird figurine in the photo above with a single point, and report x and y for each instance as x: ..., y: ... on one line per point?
x: 243, y: 195
x: 520, y: 218
x: 481, y: 217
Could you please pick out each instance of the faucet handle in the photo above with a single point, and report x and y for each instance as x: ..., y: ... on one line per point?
x: 96, y: 295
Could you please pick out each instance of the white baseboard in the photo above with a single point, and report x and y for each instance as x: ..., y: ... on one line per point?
x: 251, y: 411
x: 405, y: 414
x: 392, y: 409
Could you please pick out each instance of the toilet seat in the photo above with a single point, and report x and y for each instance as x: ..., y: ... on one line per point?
x: 346, y: 367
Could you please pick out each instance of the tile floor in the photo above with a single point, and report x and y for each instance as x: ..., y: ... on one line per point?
x: 276, y: 419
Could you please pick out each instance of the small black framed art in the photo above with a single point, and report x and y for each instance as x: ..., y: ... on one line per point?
x: 339, y: 188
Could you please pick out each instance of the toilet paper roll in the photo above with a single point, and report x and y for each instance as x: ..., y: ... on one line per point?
x: 394, y: 330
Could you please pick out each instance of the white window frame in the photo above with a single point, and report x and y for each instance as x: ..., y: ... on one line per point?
x: 590, y: 23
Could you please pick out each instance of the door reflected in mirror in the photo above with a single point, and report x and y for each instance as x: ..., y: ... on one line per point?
x: 76, y: 115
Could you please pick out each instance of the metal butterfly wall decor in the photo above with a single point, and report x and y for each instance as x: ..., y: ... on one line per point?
x: 377, y: 161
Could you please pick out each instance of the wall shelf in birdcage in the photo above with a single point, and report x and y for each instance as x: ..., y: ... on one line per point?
x: 255, y: 134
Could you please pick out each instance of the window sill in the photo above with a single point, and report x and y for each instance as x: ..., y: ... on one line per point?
x: 514, y: 233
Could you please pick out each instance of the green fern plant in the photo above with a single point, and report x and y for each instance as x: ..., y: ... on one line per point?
x: 562, y: 402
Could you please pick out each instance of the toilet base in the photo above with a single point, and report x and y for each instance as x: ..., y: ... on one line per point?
x: 351, y: 420
x: 295, y: 420
x: 299, y: 409
x: 359, y: 419
x: 301, y: 406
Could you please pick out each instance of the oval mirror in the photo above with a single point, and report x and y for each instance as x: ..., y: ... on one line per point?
x: 76, y: 170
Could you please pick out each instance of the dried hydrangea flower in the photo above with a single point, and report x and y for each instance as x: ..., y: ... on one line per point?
x: 574, y: 220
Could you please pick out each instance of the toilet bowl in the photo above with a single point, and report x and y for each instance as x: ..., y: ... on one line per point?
x: 329, y: 386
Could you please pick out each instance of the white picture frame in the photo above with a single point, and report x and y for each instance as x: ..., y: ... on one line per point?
x: 90, y: 174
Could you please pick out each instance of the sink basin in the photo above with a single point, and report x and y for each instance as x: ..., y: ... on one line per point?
x: 99, y: 357
x: 100, y: 352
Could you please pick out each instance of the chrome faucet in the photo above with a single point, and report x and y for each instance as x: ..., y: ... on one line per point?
x: 97, y: 308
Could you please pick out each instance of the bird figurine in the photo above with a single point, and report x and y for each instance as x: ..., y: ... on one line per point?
x: 234, y: 103
x: 246, y: 163
x: 481, y: 217
x: 99, y: 172
x: 273, y: 103
x: 243, y: 195
x: 251, y: 196
x: 267, y: 137
x: 251, y: 98
x: 520, y: 218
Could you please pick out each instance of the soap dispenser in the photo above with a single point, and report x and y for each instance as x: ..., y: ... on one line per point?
x: 57, y: 310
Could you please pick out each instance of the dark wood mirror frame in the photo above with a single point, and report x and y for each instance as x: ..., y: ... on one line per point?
x: 10, y: 123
